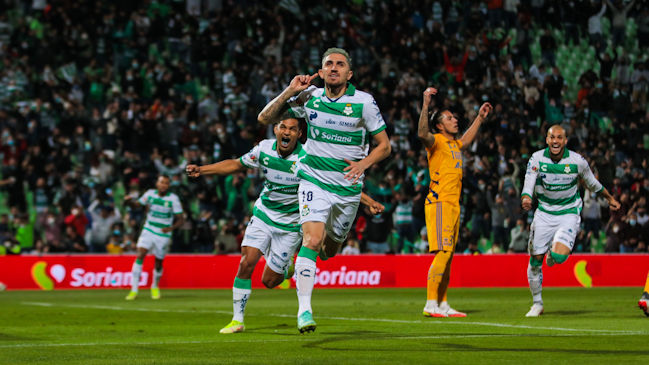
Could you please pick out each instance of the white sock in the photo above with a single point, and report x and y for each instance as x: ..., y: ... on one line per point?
x: 135, y: 272
x: 156, y: 278
x: 305, y: 279
x: 431, y: 303
x: 239, y: 301
x: 535, y: 279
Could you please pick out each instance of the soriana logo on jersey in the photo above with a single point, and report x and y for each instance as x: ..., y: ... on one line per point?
x: 49, y: 277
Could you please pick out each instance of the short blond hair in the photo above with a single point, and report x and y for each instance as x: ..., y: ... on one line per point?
x: 341, y: 51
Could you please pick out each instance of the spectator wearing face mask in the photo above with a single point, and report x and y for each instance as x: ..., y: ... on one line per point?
x: 631, y: 235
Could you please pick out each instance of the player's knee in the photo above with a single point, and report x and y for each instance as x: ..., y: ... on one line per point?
x: 535, y: 262
x: 311, y: 241
x: 558, y: 258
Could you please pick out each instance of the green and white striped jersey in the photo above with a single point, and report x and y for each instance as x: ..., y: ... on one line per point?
x: 277, y: 204
x: 556, y: 184
x: 337, y: 129
x: 161, y: 211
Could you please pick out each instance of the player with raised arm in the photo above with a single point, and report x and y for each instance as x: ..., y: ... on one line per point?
x: 274, y: 229
x: 553, y: 176
x: 341, y: 123
x: 164, y: 214
x: 442, y: 205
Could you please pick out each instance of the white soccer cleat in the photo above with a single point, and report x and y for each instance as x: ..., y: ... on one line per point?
x: 434, y: 311
x: 535, y: 311
x: 450, y: 312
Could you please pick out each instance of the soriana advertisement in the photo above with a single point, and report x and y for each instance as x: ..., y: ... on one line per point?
x: 51, y: 272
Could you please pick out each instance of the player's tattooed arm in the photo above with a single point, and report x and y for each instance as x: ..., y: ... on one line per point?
x: 277, y: 109
x: 423, y: 130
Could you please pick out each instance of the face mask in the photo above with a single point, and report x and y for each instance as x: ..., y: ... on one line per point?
x: 616, y: 229
x: 632, y: 222
x: 51, y: 220
x: 481, y: 186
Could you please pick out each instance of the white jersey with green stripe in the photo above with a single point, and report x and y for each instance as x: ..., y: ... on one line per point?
x: 277, y: 205
x: 556, y: 184
x: 338, y: 129
x: 161, y: 211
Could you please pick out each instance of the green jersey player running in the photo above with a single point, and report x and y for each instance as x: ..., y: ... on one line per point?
x: 164, y: 214
x: 553, y: 176
x: 341, y: 123
x: 274, y: 229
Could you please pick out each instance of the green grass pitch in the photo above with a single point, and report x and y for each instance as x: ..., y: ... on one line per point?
x: 355, y: 326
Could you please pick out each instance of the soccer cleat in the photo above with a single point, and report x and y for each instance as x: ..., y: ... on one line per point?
x: 305, y: 322
x: 549, y: 260
x: 233, y: 327
x: 155, y: 293
x: 435, y: 311
x: 644, y: 305
x: 131, y: 296
x: 290, y: 269
x: 535, y: 311
x: 450, y: 312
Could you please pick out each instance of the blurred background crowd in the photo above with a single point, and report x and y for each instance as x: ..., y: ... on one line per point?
x: 99, y: 97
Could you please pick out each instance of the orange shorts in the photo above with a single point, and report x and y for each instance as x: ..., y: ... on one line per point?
x: 443, y: 225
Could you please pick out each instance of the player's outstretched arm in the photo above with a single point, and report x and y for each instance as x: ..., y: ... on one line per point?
x: 470, y: 133
x: 612, y: 203
x: 423, y: 130
x: 275, y: 109
x: 222, y: 168
x: 375, y: 207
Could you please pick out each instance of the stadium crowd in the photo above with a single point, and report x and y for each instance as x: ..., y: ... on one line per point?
x: 99, y: 97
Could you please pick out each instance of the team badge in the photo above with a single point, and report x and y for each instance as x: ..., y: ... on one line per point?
x: 567, y: 169
x: 348, y: 109
x: 305, y: 210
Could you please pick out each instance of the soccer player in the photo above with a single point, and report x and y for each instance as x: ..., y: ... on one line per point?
x: 553, y: 175
x: 442, y: 205
x: 164, y: 214
x: 274, y: 229
x: 643, y: 303
x: 341, y: 122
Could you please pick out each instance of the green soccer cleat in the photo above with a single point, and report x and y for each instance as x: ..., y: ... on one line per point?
x: 233, y: 327
x: 155, y: 293
x: 132, y: 295
x: 305, y: 322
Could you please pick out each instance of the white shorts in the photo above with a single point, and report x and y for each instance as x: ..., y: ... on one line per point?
x: 158, y: 246
x: 337, y: 212
x: 276, y: 244
x: 547, y: 229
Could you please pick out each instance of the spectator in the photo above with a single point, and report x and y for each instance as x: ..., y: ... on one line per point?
x: 520, y: 235
x: 104, y: 216
x: 351, y: 248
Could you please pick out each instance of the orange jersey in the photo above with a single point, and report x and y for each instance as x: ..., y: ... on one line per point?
x: 445, y: 168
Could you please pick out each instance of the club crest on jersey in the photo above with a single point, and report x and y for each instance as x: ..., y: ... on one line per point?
x: 305, y: 210
x: 567, y: 169
x: 348, y: 109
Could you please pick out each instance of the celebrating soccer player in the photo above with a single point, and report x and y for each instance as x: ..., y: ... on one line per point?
x: 341, y: 121
x: 442, y: 206
x: 553, y: 175
x: 163, y: 216
x: 274, y: 229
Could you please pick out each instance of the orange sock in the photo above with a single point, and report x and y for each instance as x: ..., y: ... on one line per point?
x: 436, y: 275
x: 646, y: 285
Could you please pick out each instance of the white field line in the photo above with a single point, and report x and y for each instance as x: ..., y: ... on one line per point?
x: 293, y: 340
x: 430, y: 321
